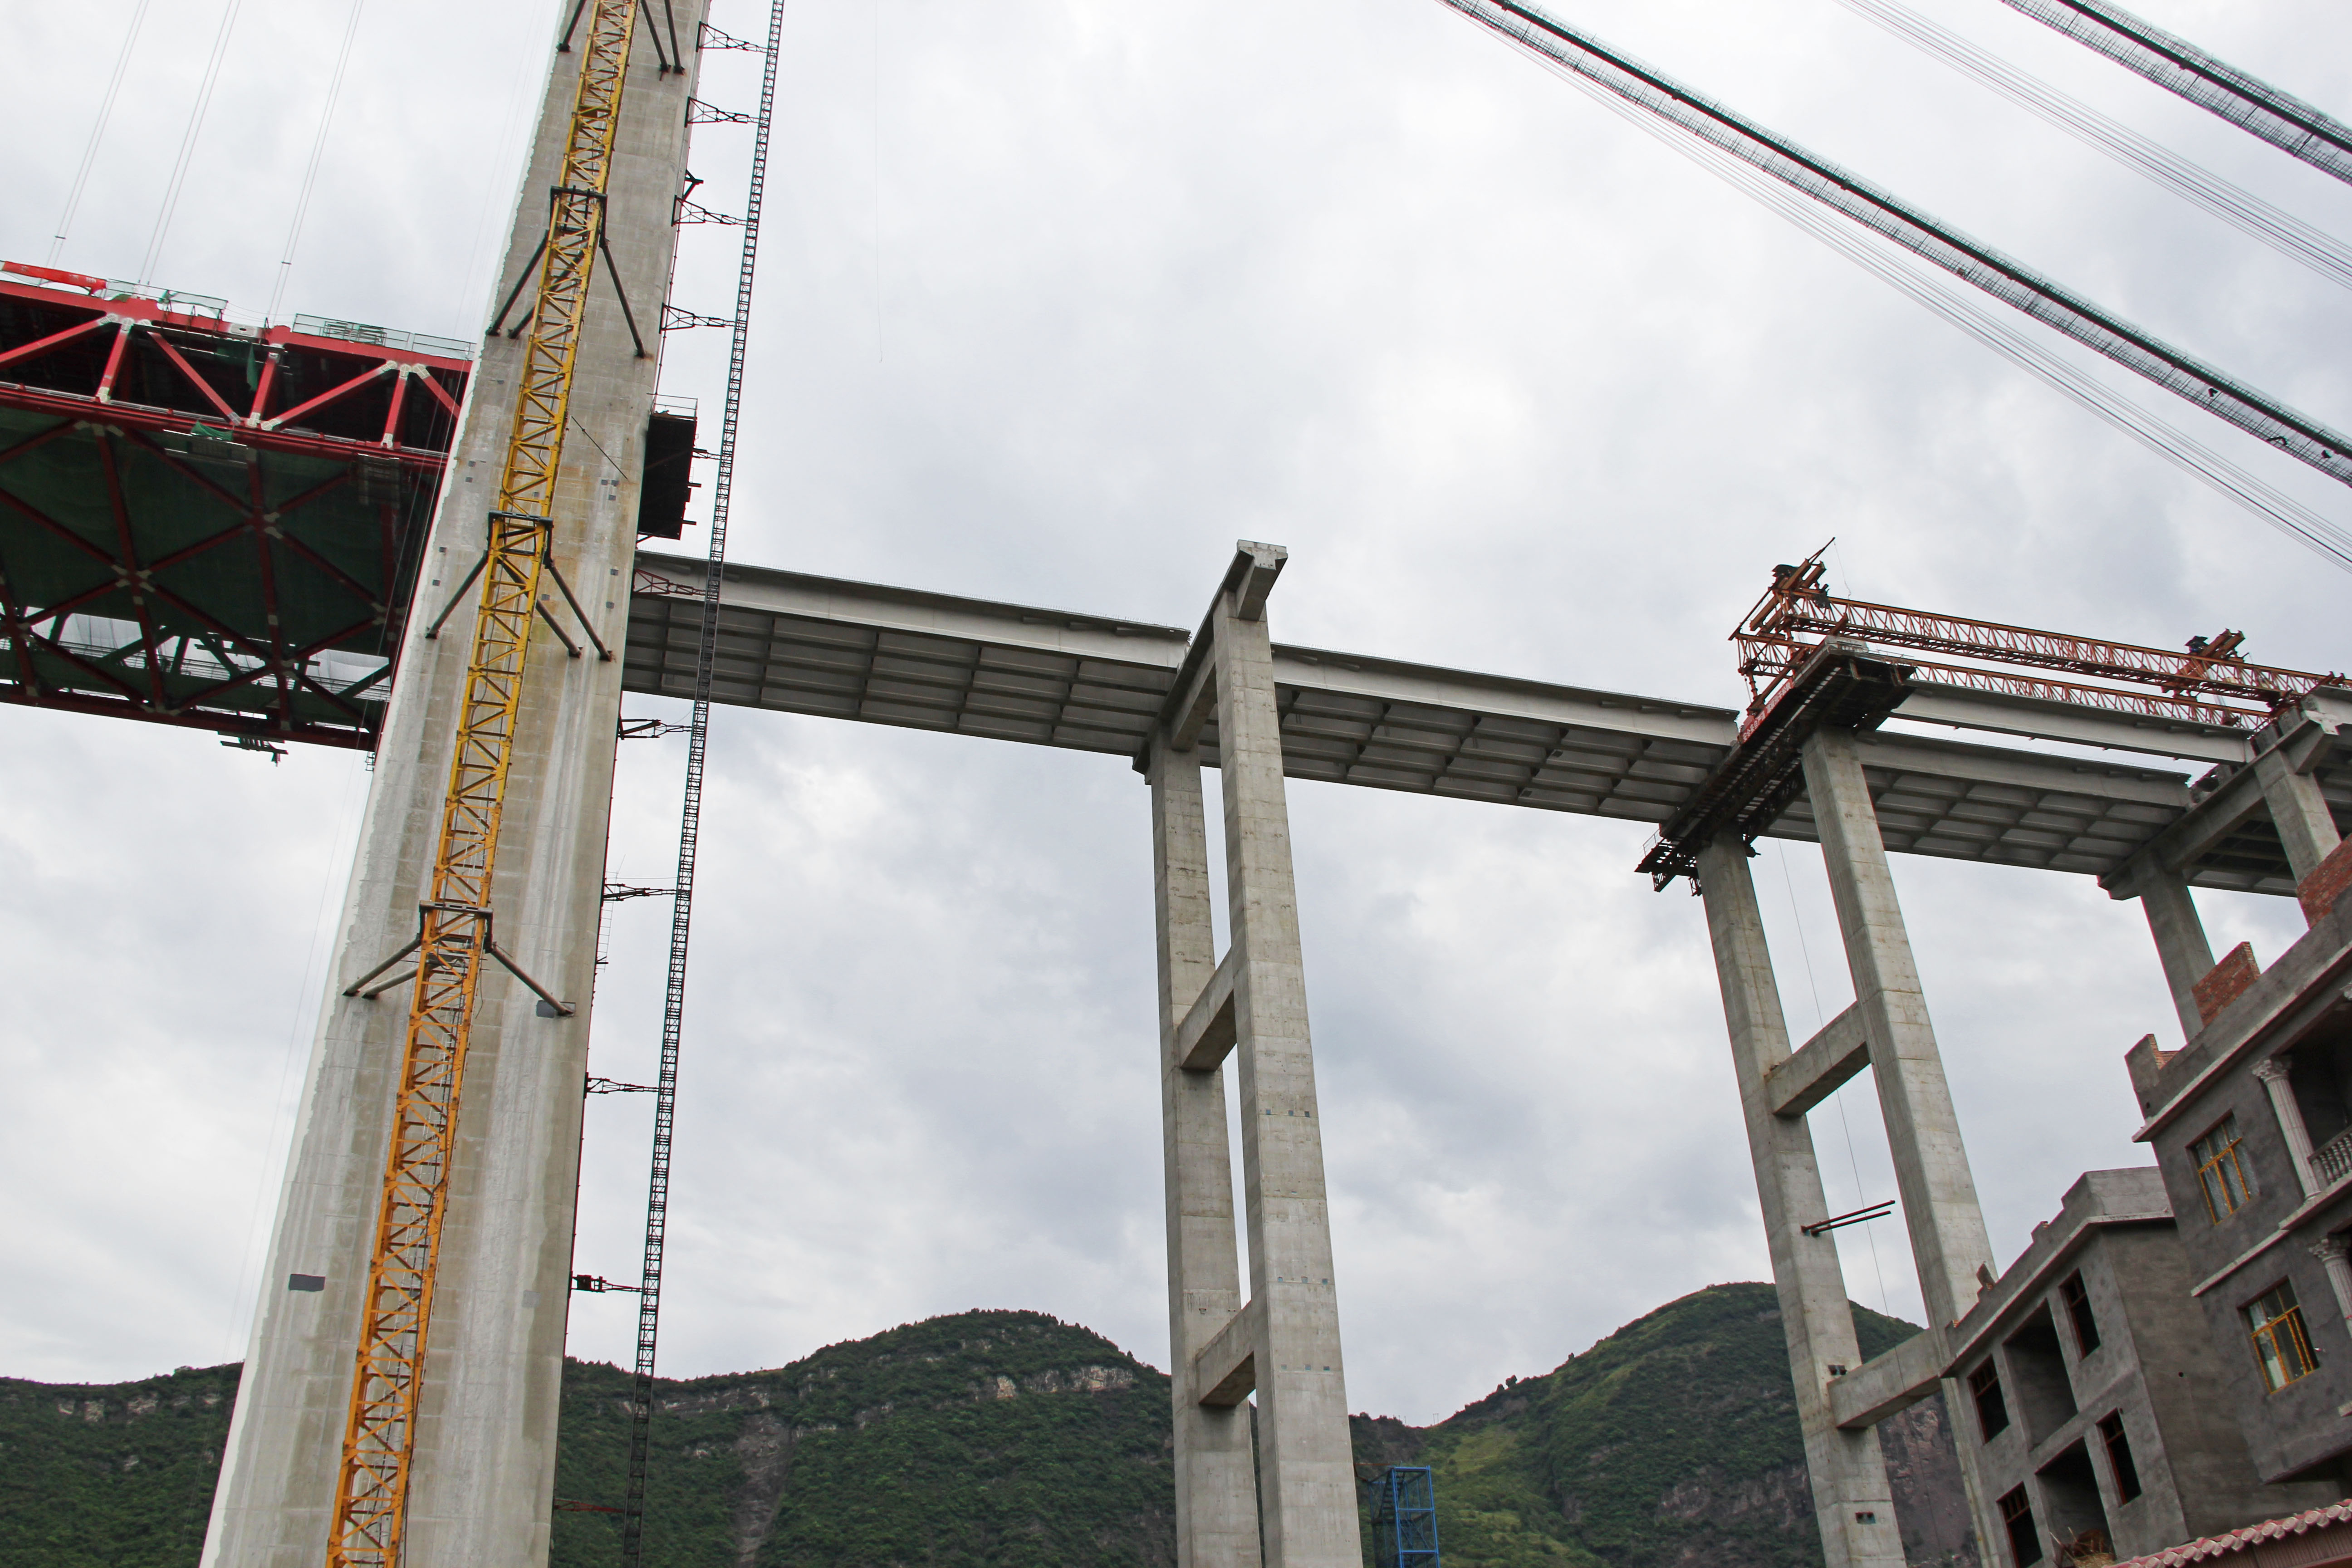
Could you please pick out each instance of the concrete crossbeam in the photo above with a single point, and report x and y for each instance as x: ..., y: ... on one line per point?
x: 1934, y: 702
x: 1820, y: 1066
x: 1206, y: 1035
x: 1888, y: 1384
x: 1225, y: 1371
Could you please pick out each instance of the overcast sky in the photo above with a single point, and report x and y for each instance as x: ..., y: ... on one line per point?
x: 1058, y: 298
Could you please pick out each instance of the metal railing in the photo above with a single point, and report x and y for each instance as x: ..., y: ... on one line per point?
x: 2332, y: 1163
x: 383, y: 337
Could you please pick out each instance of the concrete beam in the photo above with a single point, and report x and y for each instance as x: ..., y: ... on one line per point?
x: 1934, y: 702
x: 824, y: 646
x: 1820, y: 1066
x: 1259, y: 565
x: 2299, y: 811
x: 1225, y: 1371
x: 1886, y: 1384
x: 1193, y: 703
x: 1206, y: 1035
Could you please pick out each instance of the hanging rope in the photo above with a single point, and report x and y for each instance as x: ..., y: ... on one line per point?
x: 97, y: 131
x: 180, y: 166
x: 318, y: 150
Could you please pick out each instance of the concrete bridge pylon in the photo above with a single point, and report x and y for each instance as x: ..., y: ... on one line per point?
x: 484, y: 1445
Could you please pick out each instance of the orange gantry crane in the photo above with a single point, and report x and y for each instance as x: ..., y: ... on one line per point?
x: 455, y: 931
x: 2208, y: 683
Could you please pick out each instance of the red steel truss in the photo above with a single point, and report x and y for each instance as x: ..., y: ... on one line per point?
x: 2210, y: 683
x: 208, y: 524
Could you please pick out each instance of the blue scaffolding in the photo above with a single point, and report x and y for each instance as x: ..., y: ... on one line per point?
x: 1404, y: 1518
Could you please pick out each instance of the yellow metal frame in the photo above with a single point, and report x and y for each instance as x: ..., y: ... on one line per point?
x: 380, y: 1436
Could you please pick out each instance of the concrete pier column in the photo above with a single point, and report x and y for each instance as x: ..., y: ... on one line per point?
x: 2334, y: 1254
x: 2181, y: 944
x: 1216, y: 1483
x: 1283, y: 1343
x: 1931, y: 1163
x: 484, y: 1456
x: 2274, y: 1073
x: 1852, y: 1500
x: 1307, y: 1481
x: 2307, y: 828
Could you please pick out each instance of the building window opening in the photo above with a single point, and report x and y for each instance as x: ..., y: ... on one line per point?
x: 2075, y: 1515
x: 2078, y: 1314
x: 2119, y: 1457
x: 2221, y: 1170
x: 2038, y: 1378
x: 2283, y: 1351
x: 1992, y: 1410
x: 2025, y: 1540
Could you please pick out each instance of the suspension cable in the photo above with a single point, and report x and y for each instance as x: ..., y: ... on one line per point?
x: 2225, y: 199
x: 2179, y: 67
x: 1963, y: 309
x: 97, y: 131
x: 318, y: 152
x: 1938, y: 293
x: 697, y: 746
x: 2004, y: 278
x: 179, y: 179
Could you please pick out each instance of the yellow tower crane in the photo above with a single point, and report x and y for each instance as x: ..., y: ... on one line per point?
x: 454, y: 938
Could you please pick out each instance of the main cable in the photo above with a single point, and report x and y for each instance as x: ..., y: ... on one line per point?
x: 2177, y: 66
x: 2330, y: 541
x: 689, y: 828
x: 2224, y: 199
x: 1880, y: 211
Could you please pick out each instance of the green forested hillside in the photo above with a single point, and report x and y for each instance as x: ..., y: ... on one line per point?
x: 1002, y: 1438
x: 1012, y: 1440
x: 1673, y: 1441
x: 112, y: 1476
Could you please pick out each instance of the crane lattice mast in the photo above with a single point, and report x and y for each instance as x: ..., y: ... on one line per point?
x: 690, y: 825
x: 455, y: 935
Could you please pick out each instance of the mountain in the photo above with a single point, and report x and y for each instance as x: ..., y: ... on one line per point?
x: 1672, y: 1442
x: 119, y: 1476
x: 1006, y: 1439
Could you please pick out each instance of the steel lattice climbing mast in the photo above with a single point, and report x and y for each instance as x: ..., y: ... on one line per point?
x: 456, y: 935
x: 697, y: 746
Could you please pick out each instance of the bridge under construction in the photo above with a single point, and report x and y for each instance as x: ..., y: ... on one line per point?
x: 453, y: 555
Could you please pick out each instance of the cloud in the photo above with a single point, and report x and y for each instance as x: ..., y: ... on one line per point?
x: 1058, y: 300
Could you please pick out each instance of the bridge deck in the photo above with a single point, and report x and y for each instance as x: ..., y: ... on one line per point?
x: 803, y: 644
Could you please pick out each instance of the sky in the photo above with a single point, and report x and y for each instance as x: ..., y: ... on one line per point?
x: 1057, y: 298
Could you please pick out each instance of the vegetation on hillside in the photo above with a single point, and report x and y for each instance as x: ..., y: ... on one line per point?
x: 1674, y: 1440
x: 112, y: 1476
x: 1004, y: 1439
